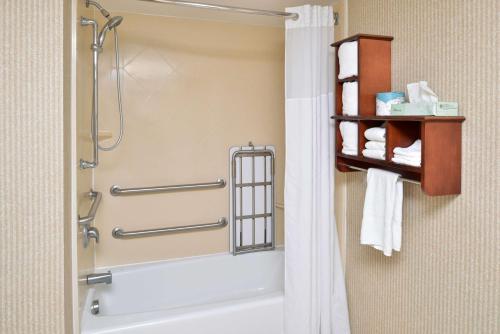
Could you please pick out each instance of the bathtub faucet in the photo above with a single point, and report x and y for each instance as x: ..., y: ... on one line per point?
x: 98, y: 278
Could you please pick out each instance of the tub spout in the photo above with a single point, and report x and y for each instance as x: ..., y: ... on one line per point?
x: 98, y: 278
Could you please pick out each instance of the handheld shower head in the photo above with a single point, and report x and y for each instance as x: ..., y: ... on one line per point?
x: 111, y: 24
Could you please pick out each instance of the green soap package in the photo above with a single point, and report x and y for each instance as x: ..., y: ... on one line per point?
x: 425, y: 109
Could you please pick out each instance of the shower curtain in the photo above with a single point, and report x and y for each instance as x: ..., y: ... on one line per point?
x: 315, y: 295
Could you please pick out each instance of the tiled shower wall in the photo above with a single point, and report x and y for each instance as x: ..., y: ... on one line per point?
x: 445, y: 280
x: 191, y: 90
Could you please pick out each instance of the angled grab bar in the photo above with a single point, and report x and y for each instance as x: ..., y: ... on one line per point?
x: 117, y: 191
x: 119, y: 233
x: 88, y: 219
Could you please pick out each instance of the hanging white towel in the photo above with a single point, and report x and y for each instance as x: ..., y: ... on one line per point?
x: 374, y: 154
x: 350, y: 98
x: 382, y: 213
x: 348, y: 60
x: 349, y: 132
x: 376, y: 134
x: 375, y: 145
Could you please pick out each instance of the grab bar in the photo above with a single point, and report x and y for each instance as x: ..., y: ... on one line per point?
x: 88, y: 219
x: 365, y: 170
x: 117, y: 191
x: 119, y: 233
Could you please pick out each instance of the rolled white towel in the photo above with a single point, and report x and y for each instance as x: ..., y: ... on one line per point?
x: 349, y: 132
x: 412, y: 151
x: 402, y: 160
x: 375, y: 145
x: 348, y: 59
x: 350, y: 98
x: 376, y: 134
x: 374, y: 154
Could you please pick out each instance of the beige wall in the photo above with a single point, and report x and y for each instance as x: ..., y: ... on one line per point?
x: 191, y: 90
x: 85, y: 256
x: 33, y: 206
x: 446, y: 278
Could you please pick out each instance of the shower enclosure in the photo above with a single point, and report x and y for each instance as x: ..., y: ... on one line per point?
x: 157, y: 232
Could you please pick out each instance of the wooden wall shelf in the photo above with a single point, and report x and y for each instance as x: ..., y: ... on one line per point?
x: 440, y: 171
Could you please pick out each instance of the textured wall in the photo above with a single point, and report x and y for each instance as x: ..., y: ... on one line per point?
x: 31, y: 167
x: 191, y: 90
x: 446, y: 278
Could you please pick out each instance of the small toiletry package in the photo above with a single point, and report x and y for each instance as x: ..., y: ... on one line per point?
x: 425, y: 109
x: 384, y: 101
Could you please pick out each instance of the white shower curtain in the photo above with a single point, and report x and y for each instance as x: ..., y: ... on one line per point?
x: 315, y: 295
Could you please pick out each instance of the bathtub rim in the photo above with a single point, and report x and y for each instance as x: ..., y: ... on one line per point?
x: 137, y: 265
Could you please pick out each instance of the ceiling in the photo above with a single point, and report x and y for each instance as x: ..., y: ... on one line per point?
x: 148, y: 8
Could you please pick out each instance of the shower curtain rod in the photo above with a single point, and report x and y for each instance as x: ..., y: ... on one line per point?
x: 243, y: 10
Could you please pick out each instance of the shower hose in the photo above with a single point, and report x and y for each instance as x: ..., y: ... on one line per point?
x: 119, y: 96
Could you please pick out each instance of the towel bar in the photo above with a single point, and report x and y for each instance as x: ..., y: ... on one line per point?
x: 364, y: 170
x: 117, y: 191
x: 119, y: 233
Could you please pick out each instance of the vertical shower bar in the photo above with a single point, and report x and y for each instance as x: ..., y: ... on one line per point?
x: 95, y: 95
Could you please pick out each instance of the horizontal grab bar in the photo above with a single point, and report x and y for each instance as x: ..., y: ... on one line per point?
x: 88, y: 219
x: 119, y: 233
x: 364, y: 170
x: 117, y: 191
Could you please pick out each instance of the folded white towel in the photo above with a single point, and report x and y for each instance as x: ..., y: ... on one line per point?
x: 349, y: 132
x: 376, y: 134
x: 375, y: 145
x: 350, y: 98
x: 348, y: 59
x: 374, y: 154
x: 404, y: 160
x: 382, y: 213
x: 412, y: 151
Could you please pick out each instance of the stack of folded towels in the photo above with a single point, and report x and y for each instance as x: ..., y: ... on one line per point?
x: 375, y: 146
x: 349, y: 132
x: 411, y: 155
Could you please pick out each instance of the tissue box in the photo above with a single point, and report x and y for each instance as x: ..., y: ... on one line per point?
x: 425, y: 109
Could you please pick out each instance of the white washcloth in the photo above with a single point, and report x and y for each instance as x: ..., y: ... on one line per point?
x: 349, y: 132
x: 375, y: 145
x: 350, y: 98
x: 377, y: 134
x: 382, y: 213
x: 348, y: 59
x: 412, y: 151
x: 374, y: 154
x: 404, y: 160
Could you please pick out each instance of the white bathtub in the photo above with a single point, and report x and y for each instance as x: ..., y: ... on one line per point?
x: 219, y: 294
